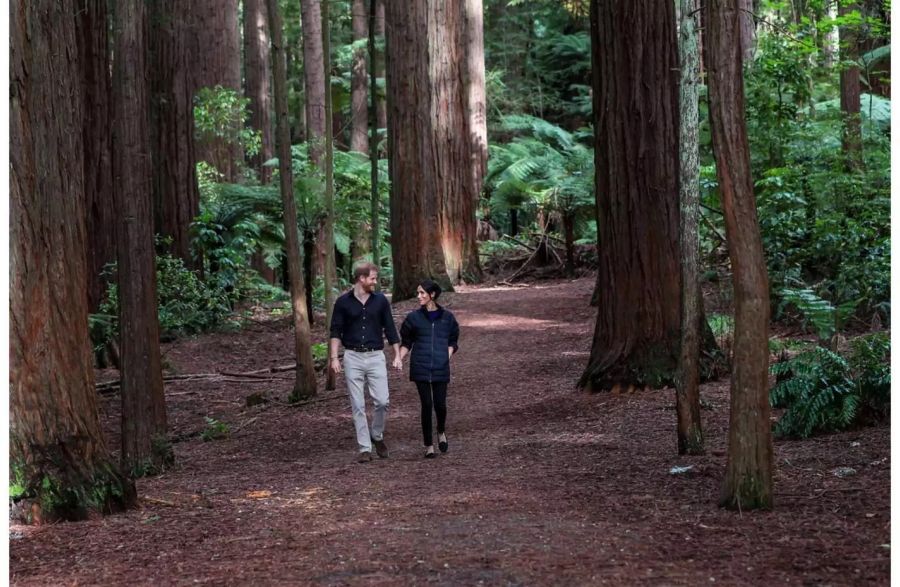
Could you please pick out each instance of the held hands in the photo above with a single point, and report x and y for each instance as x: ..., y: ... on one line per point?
x: 398, y: 363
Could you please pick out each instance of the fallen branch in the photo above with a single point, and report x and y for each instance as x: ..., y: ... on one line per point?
x: 113, y: 385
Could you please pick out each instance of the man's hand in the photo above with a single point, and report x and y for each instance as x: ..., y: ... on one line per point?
x: 335, y: 365
x: 398, y: 363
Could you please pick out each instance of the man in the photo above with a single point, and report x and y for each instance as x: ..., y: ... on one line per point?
x: 361, y: 318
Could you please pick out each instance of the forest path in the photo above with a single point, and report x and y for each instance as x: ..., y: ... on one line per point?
x: 543, y: 485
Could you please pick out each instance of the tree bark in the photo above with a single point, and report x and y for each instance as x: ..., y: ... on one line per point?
x: 57, y: 451
x: 144, y: 448
x: 176, y: 195
x: 748, y: 29
x: 330, y: 273
x: 687, y: 382
x: 375, y: 200
x: 359, y: 86
x: 476, y: 98
x: 256, y: 82
x: 93, y: 52
x: 381, y: 99
x: 851, y: 141
x: 314, y: 74
x: 429, y: 147
x: 305, y: 383
x: 636, y: 338
x: 748, y: 476
x: 216, y: 61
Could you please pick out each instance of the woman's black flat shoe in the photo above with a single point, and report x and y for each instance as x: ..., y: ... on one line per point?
x: 443, y: 445
x: 430, y: 455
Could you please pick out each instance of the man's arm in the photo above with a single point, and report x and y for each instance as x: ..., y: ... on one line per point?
x: 337, y: 329
x: 390, y: 330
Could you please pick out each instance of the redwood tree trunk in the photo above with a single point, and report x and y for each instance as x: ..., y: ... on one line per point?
x: 359, y: 86
x: 57, y: 450
x: 636, y: 339
x: 176, y: 195
x: 256, y: 80
x: 429, y: 146
x: 314, y: 74
x: 850, y: 93
x: 305, y: 383
x: 216, y: 61
x: 687, y: 382
x: 748, y: 476
x: 380, y: 99
x: 143, y: 400
x: 476, y: 98
x: 330, y: 272
x: 748, y: 29
x: 93, y: 53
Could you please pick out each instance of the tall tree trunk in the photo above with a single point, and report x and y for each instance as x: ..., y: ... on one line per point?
x: 636, y: 339
x: 568, y: 220
x: 748, y: 29
x: 687, y: 382
x: 217, y: 62
x: 851, y: 140
x: 314, y: 74
x: 429, y: 147
x: 476, y: 98
x: 381, y: 99
x: 256, y: 82
x: 57, y: 450
x: 330, y: 270
x: 144, y: 447
x: 358, y: 86
x: 176, y: 195
x: 831, y: 42
x: 748, y: 475
x: 93, y: 52
x: 305, y: 383
x: 374, y: 198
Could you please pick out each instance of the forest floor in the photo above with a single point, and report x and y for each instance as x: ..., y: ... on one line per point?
x: 542, y: 485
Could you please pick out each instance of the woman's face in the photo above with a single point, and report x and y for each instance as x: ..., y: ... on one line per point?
x: 423, y: 296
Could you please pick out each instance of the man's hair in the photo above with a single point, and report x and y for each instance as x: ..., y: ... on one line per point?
x: 364, y: 270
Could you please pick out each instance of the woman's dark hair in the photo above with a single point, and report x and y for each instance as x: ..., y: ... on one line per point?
x: 431, y: 288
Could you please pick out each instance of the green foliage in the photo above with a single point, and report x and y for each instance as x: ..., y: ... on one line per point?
x: 186, y: 304
x: 214, y: 430
x: 825, y: 319
x: 824, y: 391
x: 220, y: 113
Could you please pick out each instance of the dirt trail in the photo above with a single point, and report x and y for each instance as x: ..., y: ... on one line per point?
x: 543, y: 485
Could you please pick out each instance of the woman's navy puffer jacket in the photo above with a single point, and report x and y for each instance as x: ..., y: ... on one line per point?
x: 428, y: 342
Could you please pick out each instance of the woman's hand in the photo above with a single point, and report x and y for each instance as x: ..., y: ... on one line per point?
x: 450, y: 350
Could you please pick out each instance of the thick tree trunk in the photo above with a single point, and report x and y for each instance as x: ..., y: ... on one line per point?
x: 305, y: 384
x: 359, y: 86
x: 636, y: 339
x: 144, y: 447
x: 568, y: 221
x: 381, y: 100
x: 57, y: 450
x: 330, y: 273
x: 314, y: 74
x: 176, y: 195
x: 429, y: 147
x: 850, y: 93
x: 93, y: 52
x: 256, y: 82
x: 217, y: 62
x: 748, y: 476
x: 830, y: 46
x: 687, y: 382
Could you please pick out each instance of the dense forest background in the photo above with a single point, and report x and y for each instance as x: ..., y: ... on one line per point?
x: 279, y: 156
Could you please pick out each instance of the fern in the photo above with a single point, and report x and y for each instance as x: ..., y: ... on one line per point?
x: 824, y: 391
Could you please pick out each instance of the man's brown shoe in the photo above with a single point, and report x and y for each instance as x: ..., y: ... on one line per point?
x: 380, y: 448
x: 364, y: 457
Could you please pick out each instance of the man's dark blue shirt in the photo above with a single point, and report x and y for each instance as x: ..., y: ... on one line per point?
x: 363, y: 326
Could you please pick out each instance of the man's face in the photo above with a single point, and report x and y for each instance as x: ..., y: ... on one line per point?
x: 368, y: 282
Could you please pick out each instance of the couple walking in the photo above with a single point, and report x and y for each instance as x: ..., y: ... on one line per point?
x: 360, y: 321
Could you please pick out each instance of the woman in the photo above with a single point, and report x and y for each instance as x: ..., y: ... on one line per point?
x: 430, y: 334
